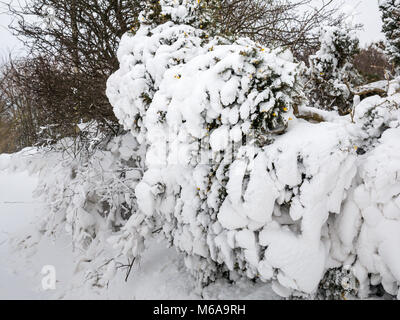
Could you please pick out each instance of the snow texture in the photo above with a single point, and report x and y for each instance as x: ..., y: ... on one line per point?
x: 218, y: 165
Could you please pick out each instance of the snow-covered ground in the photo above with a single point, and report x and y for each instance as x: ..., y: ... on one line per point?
x: 160, y: 275
x: 17, y: 211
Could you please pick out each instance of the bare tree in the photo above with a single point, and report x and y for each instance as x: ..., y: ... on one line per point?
x: 372, y: 63
x: 287, y: 23
x: 72, y: 48
x: 81, y: 33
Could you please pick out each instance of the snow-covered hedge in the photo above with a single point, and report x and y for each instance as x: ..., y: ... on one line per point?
x: 210, y: 107
x: 218, y: 164
x: 367, y: 231
x: 225, y: 188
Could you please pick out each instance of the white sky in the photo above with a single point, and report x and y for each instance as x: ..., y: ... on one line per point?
x: 365, y: 11
x: 8, y: 43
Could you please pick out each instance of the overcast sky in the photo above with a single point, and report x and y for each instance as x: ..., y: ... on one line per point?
x: 365, y: 11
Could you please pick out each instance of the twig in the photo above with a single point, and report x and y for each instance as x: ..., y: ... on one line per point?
x: 157, y: 231
x: 129, y: 270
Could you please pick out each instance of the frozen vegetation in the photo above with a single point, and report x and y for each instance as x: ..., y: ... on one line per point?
x: 234, y: 160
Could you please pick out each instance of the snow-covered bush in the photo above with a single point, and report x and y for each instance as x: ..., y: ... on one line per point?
x: 198, y: 14
x: 88, y: 187
x: 211, y: 106
x: 331, y: 72
x: 90, y: 193
x: 377, y: 199
x: 390, y: 10
x: 375, y: 114
x: 226, y: 190
x: 366, y: 233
